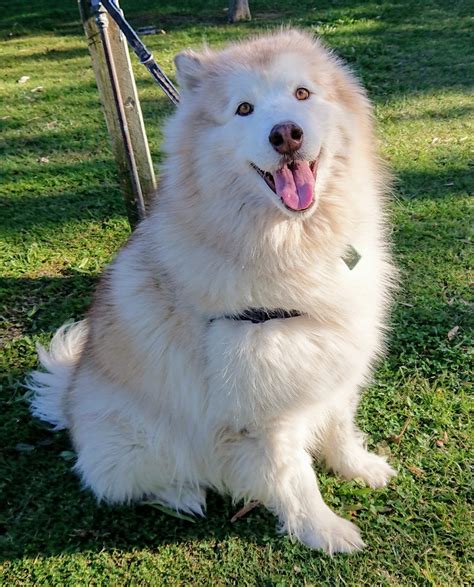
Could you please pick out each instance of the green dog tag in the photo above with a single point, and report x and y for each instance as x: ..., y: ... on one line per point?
x: 351, y: 257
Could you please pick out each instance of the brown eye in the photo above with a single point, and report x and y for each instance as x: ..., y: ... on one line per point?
x: 244, y: 109
x: 302, y: 94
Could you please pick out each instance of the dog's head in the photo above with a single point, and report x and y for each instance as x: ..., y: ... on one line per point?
x: 258, y: 120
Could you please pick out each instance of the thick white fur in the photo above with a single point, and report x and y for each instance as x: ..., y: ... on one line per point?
x: 163, y: 403
x: 49, y: 386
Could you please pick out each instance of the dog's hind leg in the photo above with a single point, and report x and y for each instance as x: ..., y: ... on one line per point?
x: 343, y: 450
x: 274, y: 470
x: 120, y: 465
x: 128, y: 453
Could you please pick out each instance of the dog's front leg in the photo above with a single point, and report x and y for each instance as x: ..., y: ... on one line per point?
x: 273, y: 470
x: 343, y: 450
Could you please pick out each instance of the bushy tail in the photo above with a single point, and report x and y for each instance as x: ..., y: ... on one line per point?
x: 49, y: 386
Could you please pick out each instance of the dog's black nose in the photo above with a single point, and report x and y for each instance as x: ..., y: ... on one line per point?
x: 286, y: 137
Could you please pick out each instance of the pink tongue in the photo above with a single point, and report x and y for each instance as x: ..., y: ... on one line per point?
x: 295, y: 186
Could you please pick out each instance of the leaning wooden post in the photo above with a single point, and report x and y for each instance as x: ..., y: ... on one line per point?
x: 135, y: 167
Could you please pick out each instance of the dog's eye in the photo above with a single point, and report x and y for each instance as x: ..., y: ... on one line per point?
x: 244, y: 109
x: 302, y: 94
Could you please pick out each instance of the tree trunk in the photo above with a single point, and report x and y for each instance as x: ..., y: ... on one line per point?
x: 239, y: 10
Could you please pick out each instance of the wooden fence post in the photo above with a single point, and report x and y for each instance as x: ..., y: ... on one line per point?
x: 141, y: 157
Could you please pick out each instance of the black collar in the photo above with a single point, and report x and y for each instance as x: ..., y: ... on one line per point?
x: 259, y: 315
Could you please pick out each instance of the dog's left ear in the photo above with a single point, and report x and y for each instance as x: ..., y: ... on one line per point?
x: 189, y: 69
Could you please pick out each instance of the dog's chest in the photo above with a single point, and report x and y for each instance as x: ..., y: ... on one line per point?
x: 260, y: 371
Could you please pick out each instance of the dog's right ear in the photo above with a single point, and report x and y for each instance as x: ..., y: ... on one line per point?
x: 189, y: 69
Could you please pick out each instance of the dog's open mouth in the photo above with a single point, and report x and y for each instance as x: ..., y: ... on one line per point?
x: 293, y: 183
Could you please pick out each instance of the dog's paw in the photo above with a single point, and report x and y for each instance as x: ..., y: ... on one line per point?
x: 332, y: 534
x: 371, y: 468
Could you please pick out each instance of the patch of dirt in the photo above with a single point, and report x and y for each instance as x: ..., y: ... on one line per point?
x: 9, y: 332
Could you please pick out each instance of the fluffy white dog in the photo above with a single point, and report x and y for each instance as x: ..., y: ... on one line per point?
x: 229, y: 339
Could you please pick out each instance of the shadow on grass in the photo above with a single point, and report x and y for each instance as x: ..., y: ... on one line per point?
x: 441, y: 113
x: 34, y: 306
x: 52, y: 516
x: 446, y: 181
x: 99, y: 202
x: 53, y: 55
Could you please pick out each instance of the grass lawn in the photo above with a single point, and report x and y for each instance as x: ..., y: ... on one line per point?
x: 62, y: 219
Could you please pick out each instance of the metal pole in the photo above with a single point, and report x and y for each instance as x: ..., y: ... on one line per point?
x: 102, y: 24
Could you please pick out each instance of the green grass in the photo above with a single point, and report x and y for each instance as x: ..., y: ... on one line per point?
x: 62, y: 218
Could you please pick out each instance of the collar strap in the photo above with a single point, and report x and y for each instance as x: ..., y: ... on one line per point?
x: 259, y: 315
